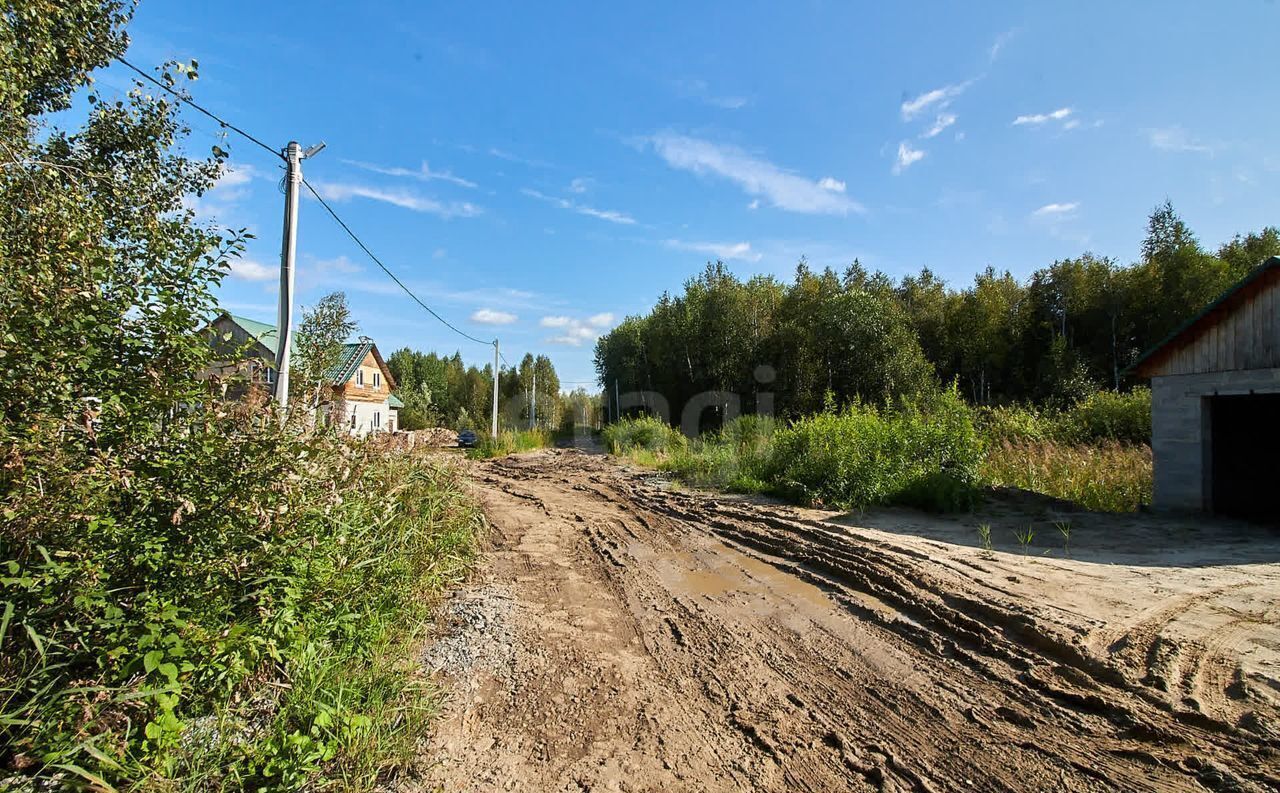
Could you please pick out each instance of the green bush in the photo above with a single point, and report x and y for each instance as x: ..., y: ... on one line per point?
x: 1123, y: 417
x: 154, y: 612
x: 926, y: 455
x: 644, y: 433
x: 1109, y: 416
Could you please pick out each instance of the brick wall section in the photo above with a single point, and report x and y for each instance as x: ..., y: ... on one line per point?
x: 1180, y: 429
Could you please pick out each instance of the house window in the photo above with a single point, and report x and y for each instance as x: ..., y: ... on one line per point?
x: 359, y: 377
x: 377, y: 419
x: 271, y: 375
x: 353, y: 418
x: 377, y: 379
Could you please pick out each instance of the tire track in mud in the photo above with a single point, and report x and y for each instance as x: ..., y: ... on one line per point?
x: 785, y: 653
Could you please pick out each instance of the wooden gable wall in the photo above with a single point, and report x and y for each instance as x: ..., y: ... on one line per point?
x: 1243, y: 333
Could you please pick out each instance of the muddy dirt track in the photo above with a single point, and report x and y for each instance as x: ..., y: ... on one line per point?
x: 624, y: 635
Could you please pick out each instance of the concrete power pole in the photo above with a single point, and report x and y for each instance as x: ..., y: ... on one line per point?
x: 533, y: 403
x: 496, y: 353
x: 294, y: 155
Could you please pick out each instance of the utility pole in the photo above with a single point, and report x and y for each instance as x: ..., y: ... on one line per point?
x: 533, y: 403
x: 496, y: 353
x: 293, y: 155
x: 617, y: 403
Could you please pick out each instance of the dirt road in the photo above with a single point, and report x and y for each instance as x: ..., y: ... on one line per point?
x: 627, y: 636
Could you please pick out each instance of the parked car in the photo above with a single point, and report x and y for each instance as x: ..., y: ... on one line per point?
x: 466, y: 439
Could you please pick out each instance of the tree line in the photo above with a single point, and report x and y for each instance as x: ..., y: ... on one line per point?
x: 441, y: 390
x: 827, y: 339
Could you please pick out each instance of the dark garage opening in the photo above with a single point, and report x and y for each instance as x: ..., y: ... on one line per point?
x: 1245, y: 446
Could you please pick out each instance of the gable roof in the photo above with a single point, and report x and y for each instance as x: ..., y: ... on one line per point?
x: 259, y: 330
x: 353, y: 354
x: 1259, y: 277
x: 394, y: 402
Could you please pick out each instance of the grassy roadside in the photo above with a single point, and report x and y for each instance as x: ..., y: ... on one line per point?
x: 508, y: 442
x: 265, y: 644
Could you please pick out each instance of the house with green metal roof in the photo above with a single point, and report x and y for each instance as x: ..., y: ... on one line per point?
x: 362, y: 385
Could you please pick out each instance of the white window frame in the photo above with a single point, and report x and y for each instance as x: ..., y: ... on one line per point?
x: 360, y: 377
x: 377, y: 419
x: 377, y: 379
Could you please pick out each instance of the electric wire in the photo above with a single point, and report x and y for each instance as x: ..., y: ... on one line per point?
x: 390, y: 274
x: 191, y: 103
x: 228, y: 125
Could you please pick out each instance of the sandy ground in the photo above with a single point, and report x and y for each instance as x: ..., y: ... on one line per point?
x: 626, y: 635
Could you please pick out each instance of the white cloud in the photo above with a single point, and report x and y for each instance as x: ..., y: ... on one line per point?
x: 999, y: 44
x: 832, y: 184
x: 575, y: 332
x: 943, y: 121
x: 1072, y: 124
x: 405, y: 199
x: 509, y: 157
x: 755, y: 176
x: 698, y: 89
x: 251, y: 270
x: 907, y: 156
x: 938, y: 96
x: 755, y: 204
x: 582, y: 209
x: 724, y: 251
x: 1056, y: 210
x: 1176, y: 138
x: 1042, y: 118
x: 488, y: 316
x: 424, y: 173
x: 580, y: 185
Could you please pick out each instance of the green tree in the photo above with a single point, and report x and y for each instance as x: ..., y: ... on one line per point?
x: 324, y: 329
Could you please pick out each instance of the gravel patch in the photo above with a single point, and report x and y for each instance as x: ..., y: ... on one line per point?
x: 477, y: 633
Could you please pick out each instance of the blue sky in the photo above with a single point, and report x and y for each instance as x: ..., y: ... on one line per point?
x: 539, y: 171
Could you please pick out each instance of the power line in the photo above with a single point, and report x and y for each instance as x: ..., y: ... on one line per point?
x: 228, y: 125
x: 191, y: 103
x: 390, y: 274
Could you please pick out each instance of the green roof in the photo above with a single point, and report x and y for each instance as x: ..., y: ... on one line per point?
x: 394, y: 401
x: 352, y: 354
x: 1200, y: 315
x: 259, y: 330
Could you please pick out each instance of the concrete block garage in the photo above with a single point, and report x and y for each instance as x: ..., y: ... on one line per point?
x: 1215, y: 407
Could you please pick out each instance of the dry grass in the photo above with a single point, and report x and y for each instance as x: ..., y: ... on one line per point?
x: 1109, y: 477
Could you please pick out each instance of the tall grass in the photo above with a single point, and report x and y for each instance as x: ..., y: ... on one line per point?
x: 644, y: 433
x: 935, y: 454
x: 508, y: 442
x: 1108, y: 477
x: 734, y: 458
x: 1104, y: 416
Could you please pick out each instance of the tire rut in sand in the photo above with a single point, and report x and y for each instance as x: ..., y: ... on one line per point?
x: 764, y: 650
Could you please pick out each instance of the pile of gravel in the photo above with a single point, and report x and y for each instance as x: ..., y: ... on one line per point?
x: 476, y: 632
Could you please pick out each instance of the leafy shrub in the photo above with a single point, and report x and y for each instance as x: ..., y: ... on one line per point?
x: 925, y: 454
x: 1101, y: 416
x: 180, y: 582
x: 1015, y: 424
x: 1109, y: 416
x: 1110, y: 476
x: 508, y: 442
x: 646, y: 432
